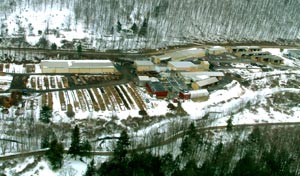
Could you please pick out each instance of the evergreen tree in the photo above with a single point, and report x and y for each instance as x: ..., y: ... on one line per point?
x: 134, y: 28
x: 74, y: 149
x: 53, y: 46
x: 143, y: 30
x: 43, y: 43
x: 79, y: 49
x: 91, y: 169
x: 229, y: 124
x: 45, y: 114
x: 55, y: 154
x: 247, y: 167
x: 122, y: 145
x: 119, y: 27
x: 190, y: 169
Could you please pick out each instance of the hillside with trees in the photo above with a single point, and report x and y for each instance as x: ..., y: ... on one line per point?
x: 129, y: 24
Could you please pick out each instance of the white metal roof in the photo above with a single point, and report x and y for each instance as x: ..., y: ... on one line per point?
x: 143, y: 63
x: 77, y: 64
x: 144, y: 78
x: 182, y: 64
x: 215, y: 74
x: 206, y: 82
x: 186, y: 53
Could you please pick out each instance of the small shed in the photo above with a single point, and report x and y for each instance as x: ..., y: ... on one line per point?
x: 204, y: 83
x: 145, y: 65
x: 157, y: 89
x: 185, y: 95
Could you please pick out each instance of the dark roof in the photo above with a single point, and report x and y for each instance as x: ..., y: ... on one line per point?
x: 156, y: 86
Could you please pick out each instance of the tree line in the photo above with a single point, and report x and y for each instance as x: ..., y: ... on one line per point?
x: 265, y: 151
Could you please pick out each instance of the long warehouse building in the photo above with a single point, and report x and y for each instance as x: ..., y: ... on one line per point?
x: 77, y: 66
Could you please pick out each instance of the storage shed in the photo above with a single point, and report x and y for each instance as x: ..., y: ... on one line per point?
x: 199, y: 93
x: 157, y: 89
x: 185, y: 95
x: 144, y: 65
x: 204, y: 83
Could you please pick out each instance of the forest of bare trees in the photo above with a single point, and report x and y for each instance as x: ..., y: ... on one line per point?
x: 173, y: 22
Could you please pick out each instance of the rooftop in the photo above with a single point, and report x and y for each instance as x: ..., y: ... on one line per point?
x: 192, y: 52
x: 257, y: 53
x: 156, y: 86
x: 215, y: 74
x: 162, y: 57
x: 246, y: 47
x: 182, y: 64
x: 217, y: 48
x: 206, y: 82
x: 143, y: 63
x: 77, y: 64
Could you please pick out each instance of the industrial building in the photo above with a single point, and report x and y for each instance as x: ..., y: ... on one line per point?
x: 189, y: 77
x: 269, y: 59
x: 183, y: 66
x: 238, y: 49
x: 77, y: 66
x: 143, y: 66
x: 216, y: 50
x: 204, y: 83
x: 179, y: 55
x: 252, y: 54
x: 157, y: 89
